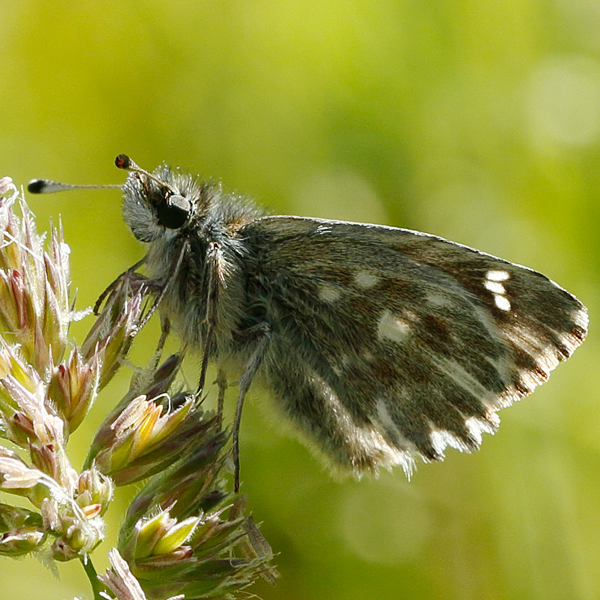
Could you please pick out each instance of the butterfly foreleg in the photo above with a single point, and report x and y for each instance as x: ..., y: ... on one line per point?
x: 130, y: 275
x: 244, y: 384
x: 162, y: 285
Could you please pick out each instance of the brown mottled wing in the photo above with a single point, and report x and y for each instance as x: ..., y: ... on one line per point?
x: 387, y: 343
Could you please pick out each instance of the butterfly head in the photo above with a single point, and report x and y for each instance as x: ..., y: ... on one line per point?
x: 157, y: 204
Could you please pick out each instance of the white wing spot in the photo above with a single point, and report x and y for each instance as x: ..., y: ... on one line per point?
x: 495, y: 287
x: 411, y: 315
x: 366, y: 280
x: 497, y: 275
x: 328, y: 293
x: 392, y: 328
x: 438, y: 300
x: 502, y: 302
x: 493, y: 283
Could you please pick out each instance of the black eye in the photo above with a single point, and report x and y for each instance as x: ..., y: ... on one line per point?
x: 173, y: 213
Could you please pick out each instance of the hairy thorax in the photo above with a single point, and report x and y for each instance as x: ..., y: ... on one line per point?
x: 199, y: 265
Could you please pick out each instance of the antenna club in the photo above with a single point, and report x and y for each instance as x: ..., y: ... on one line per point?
x: 123, y: 162
x: 36, y: 186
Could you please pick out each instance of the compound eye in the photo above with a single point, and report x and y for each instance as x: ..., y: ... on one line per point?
x: 174, y: 212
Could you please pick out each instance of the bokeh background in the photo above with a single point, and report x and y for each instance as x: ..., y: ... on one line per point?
x: 477, y: 121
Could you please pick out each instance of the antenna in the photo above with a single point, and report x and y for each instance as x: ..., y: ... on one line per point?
x: 47, y: 186
x: 127, y: 164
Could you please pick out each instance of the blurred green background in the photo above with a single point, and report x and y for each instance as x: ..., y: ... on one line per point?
x: 477, y: 121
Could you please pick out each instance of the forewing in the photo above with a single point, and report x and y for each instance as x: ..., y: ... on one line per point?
x: 388, y: 343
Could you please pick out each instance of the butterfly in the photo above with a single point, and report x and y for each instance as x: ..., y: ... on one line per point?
x: 380, y: 344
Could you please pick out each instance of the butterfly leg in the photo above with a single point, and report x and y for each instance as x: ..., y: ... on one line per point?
x: 222, y: 385
x: 165, y: 329
x: 244, y: 385
x: 213, y: 260
x: 163, y: 285
x: 130, y: 274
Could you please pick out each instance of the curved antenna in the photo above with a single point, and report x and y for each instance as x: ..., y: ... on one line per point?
x: 127, y: 164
